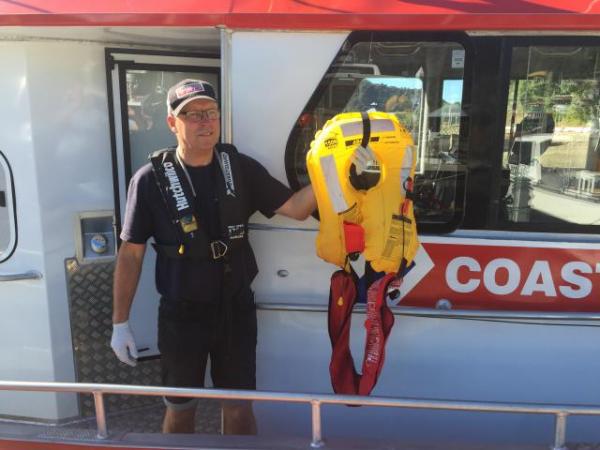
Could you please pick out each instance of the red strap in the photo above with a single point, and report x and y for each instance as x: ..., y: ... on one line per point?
x: 342, y: 297
x: 378, y: 324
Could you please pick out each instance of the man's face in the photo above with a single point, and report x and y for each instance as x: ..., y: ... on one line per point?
x: 194, y: 129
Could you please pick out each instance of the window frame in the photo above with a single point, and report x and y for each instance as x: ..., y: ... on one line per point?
x: 11, y: 203
x: 493, y: 221
x: 356, y: 37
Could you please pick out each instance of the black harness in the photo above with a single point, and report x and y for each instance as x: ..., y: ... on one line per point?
x: 178, y: 194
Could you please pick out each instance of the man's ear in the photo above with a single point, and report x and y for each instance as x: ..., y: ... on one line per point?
x: 171, y: 123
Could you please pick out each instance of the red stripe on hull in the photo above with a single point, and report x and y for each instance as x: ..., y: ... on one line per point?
x: 28, y: 445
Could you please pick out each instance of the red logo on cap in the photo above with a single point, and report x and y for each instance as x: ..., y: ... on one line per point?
x: 186, y: 90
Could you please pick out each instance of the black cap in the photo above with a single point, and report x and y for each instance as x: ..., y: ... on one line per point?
x: 187, y: 90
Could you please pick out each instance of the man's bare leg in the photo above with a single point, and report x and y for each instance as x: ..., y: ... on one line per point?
x: 238, y: 418
x: 179, y: 421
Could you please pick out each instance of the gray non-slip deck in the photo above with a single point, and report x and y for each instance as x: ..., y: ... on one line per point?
x: 148, y: 419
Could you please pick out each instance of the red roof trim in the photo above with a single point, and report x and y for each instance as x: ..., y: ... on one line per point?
x: 310, y: 14
x: 559, y: 21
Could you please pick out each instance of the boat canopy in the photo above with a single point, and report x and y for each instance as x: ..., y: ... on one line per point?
x: 497, y: 15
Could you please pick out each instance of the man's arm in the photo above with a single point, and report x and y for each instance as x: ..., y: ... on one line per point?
x: 300, y: 205
x: 127, y: 275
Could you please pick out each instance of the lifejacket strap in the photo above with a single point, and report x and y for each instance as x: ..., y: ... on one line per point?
x: 379, y: 323
x: 342, y: 297
x: 366, y: 129
x: 176, y: 191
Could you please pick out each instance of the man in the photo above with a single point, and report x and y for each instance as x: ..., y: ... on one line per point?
x: 195, y: 202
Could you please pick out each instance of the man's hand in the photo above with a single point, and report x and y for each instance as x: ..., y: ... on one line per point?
x: 123, y: 343
x: 362, y: 157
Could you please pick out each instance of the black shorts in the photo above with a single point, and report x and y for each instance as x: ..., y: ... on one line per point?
x: 189, y: 332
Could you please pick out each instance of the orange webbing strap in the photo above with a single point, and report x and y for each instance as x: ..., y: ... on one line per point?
x: 342, y: 297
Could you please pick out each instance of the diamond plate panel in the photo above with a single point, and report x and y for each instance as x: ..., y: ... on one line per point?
x: 90, y: 303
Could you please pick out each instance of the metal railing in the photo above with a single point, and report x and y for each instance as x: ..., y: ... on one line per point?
x: 592, y: 319
x: 561, y: 412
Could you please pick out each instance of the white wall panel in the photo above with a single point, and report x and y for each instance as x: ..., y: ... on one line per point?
x: 434, y: 358
x: 56, y: 136
x: 25, y: 334
x: 72, y: 152
x: 273, y: 76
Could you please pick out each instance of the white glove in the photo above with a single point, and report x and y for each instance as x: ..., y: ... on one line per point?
x: 123, y: 343
x: 363, y: 158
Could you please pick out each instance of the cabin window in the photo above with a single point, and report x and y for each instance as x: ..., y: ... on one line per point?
x: 8, y: 232
x: 551, y: 153
x: 421, y: 82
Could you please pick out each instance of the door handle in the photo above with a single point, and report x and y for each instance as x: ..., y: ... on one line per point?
x: 29, y: 275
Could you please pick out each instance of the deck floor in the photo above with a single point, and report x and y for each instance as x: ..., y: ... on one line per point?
x: 148, y: 419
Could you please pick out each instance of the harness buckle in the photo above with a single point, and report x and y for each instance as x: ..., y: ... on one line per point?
x: 218, y: 249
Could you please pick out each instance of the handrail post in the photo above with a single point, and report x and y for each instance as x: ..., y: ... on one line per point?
x: 100, y: 415
x: 317, y: 438
x: 560, y: 431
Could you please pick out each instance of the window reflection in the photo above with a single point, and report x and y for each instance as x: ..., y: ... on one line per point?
x: 147, y: 110
x: 551, y: 146
x: 422, y: 84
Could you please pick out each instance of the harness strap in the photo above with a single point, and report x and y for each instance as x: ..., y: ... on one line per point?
x: 379, y: 322
x: 176, y: 190
x: 363, y: 181
x: 210, y: 250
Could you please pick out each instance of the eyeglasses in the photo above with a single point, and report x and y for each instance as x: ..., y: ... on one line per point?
x: 200, y: 115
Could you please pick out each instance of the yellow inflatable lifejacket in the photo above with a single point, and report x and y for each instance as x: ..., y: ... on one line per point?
x: 383, y: 211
